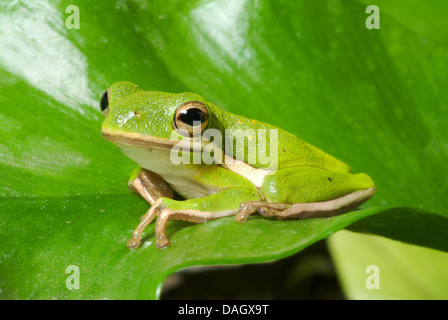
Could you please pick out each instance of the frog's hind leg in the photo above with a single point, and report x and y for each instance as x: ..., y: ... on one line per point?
x: 320, y: 209
x: 327, y: 208
x: 308, y: 192
x: 266, y: 209
x: 149, y: 185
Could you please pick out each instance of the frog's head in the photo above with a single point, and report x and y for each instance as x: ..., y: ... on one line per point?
x: 138, y: 117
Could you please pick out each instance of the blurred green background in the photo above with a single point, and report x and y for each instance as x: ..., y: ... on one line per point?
x: 375, y: 99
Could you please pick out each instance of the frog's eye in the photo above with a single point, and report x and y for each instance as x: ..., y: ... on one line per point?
x: 104, y: 102
x: 191, y: 118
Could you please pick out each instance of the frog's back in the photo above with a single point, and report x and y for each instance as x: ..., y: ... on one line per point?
x: 296, y: 152
x: 291, y: 150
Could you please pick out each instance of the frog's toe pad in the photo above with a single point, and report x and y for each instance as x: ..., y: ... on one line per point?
x: 133, y: 243
x: 162, y: 242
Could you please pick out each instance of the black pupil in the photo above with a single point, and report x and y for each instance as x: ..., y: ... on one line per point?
x: 192, y: 115
x: 104, y: 103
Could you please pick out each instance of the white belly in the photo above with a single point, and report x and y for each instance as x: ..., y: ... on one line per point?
x: 180, y: 176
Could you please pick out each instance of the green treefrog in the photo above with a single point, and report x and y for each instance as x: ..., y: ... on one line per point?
x: 218, y: 162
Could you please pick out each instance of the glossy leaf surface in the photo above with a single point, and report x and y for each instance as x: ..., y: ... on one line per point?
x: 375, y: 99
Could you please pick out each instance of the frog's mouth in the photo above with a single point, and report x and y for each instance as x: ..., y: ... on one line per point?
x: 140, y: 140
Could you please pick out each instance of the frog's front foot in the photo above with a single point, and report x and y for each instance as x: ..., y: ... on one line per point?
x: 134, y: 242
x: 162, y: 242
x: 166, y: 209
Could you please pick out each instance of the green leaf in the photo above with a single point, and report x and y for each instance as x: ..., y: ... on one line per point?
x: 42, y: 237
x: 311, y: 68
x: 407, y: 225
x: 397, y: 270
